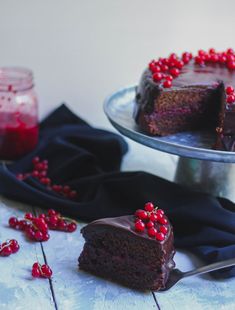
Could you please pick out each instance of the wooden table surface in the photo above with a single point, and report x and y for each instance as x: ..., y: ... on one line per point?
x: 73, y: 289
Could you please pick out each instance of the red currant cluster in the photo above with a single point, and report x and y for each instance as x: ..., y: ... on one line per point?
x: 41, y: 271
x: 55, y: 221
x: 148, y: 218
x: 167, y: 69
x: 36, y: 228
x: 40, y: 172
x: 230, y: 94
x: 9, y: 247
x: 226, y: 58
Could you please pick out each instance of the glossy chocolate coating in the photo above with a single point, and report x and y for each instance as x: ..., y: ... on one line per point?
x: 141, y: 251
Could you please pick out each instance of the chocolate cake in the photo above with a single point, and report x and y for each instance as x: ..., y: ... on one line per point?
x: 189, y: 93
x: 136, y: 251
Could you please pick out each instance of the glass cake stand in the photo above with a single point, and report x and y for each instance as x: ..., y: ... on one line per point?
x: 199, y: 167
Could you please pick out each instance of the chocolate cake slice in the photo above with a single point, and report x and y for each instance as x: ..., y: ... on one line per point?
x: 136, y: 251
x: 189, y: 93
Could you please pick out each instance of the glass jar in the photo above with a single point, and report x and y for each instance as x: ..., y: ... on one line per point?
x: 18, y: 113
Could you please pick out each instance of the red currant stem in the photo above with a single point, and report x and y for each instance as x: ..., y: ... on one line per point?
x: 7, y: 244
x: 68, y: 219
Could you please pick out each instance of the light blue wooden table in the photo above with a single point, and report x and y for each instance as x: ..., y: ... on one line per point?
x: 71, y: 289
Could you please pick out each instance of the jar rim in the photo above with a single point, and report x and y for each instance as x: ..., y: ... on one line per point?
x: 15, y: 78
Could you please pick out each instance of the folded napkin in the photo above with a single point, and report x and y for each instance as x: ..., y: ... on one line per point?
x: 88, y: 160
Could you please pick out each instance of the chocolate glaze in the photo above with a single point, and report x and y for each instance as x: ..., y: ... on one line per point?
x: 126, y: 223
x: 123, y: 226
x: 193, y: 79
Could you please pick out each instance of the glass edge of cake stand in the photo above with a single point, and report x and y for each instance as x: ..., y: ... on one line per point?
x: 201, y: 169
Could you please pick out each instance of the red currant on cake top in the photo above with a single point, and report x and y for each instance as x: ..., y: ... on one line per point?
x: 139, y: 226
x: 160, y: 236
x: 229, y: 90
x: 152, y: 232
x: 141, y: 214
x: 149, y: 206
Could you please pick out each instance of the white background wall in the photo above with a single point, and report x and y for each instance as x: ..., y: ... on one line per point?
x: 82, y: 50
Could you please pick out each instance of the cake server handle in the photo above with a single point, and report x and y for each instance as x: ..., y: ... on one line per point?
x: 176, y: 274
x: 208, y: 268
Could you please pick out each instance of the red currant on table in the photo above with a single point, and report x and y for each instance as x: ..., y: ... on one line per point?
x: 14, y: 245
x: 71, y: 227
x: 41, y: 271
x: 13, y: 222
x: 9, y: 247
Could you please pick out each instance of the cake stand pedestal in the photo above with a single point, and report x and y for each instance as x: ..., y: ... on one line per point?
x: 211, y: 177
x: 199, y: 167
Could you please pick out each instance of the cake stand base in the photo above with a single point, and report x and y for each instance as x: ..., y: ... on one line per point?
x: 216, y: 178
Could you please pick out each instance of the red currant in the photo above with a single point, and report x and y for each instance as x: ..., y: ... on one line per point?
x: 66, y: 189
x: 231, y: 65
x: 52, y: 212
x: 167, y: 84
x: 72, y: 194
x: 46, y: 271
x: 150, y: 224
x: 14, y: 246
x: 139, y: 226
x: 163, y: 229
x: 179, y: 64
x: 72, y: 227
x: 45, y: 181
x: 141, y: 214
x: 160, y: 211
x: 38, y: 235
x: 57, y: 188
x: 45, y: 237
x: 39, y: 166
x: 153, y: 217
x: 36, y: 272
x: 28, y: 216
x: 156, y: 69
x: 35, y: 174
x: 211, y: 50
x: 149, y: 207
x: 35, y: 160
x: 162, y: 220
x: 199, y: 60
x: 157, y: 76
x: 5, y: 250
x: 152, y: 232
x: 174, y: 72
x: 164, y: 68
x: 62, y: 225
x: 13, y: 222
x: 169, y: 77
x: 160, y: 236
x: 230, y: 99
x: 229, y: 90
x: 230, y: 51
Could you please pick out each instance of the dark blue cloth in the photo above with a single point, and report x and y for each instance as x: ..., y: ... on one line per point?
x: 88, y: 160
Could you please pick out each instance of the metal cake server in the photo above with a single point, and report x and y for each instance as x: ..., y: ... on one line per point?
x: 176, y: 275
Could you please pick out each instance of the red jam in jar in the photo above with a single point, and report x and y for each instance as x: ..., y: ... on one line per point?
x: 18, y: 113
